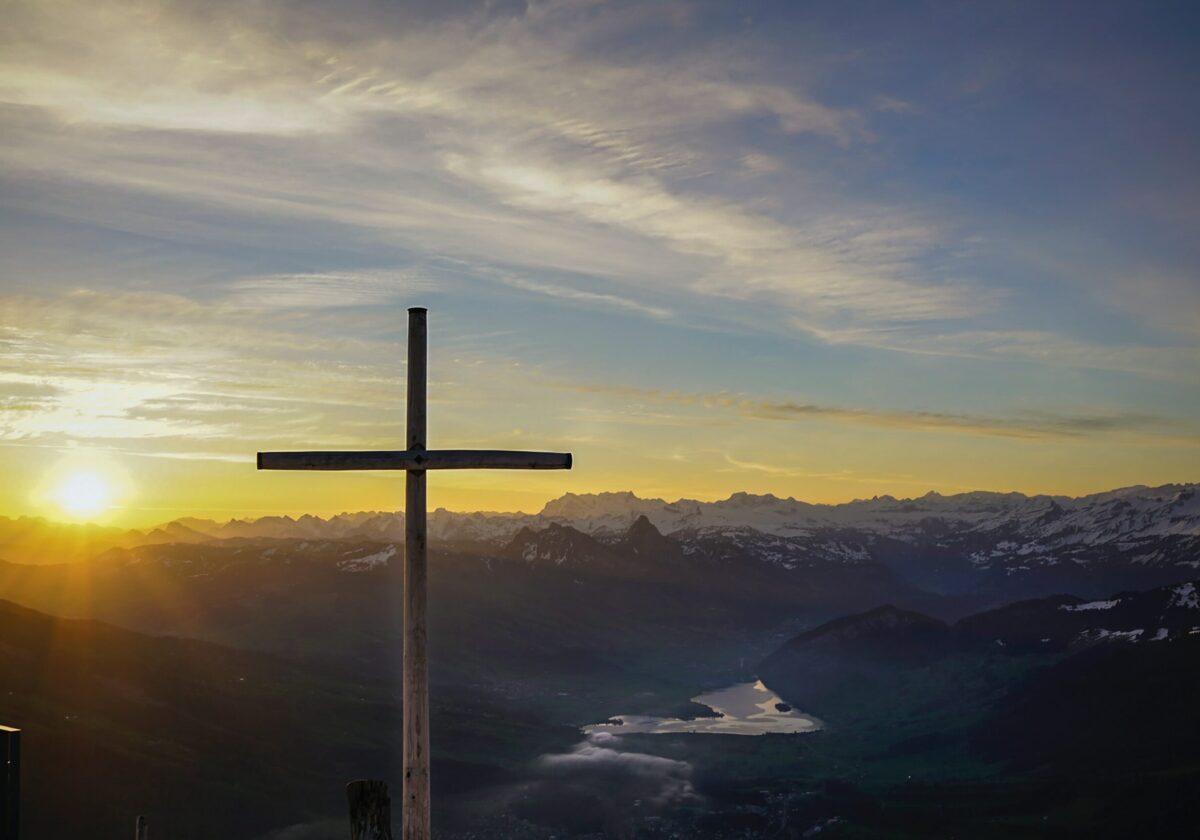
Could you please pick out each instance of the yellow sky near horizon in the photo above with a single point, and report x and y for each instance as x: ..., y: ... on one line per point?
x: 148, y: 491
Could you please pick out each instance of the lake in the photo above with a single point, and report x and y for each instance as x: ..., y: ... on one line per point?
x: 746, y: 708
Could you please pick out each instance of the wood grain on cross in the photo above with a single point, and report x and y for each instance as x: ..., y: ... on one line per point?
x: 415, y: 460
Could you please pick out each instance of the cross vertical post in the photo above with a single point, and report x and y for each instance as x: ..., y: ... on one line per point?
x: 416, y: 816
x: 415, y: 460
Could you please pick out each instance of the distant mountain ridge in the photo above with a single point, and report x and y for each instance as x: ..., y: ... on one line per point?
x: 1172, y: 509
x: 877, y: 647
x: 1044, y: 625
x: 1008, y: 544
x: 217, y: 586
x: 1099, y: 695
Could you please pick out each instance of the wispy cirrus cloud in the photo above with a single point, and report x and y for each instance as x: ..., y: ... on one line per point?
x: 567, y: 293
x: 169, y: 374
x: 1032, y: 426
x: 780, y: 469
x: 326, y: 290
x: 738, y: 465
x: 504, y: 143
x: 1172, y: 362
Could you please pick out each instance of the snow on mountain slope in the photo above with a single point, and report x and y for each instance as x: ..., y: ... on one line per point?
x: 559, y: 545
x: 1006, y: 543
x: 1062, y: 621
x: 1130, y: 512
x: 1185, y: 597
x: 1037, y: 523
x: 1132, y: 537
x: 790, y: 552
x: 367, y: 562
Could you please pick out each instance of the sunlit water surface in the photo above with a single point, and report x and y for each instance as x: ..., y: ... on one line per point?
x: 746, y: 709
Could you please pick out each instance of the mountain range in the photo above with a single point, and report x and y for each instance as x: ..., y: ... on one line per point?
x: 856, y: 650
x: 1084, y: 709
x: 1130, y: 512
x: 1001, y: 546
x: 543, y: 604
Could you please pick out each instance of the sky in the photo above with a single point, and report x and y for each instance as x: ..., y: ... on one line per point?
x: 823, y: 250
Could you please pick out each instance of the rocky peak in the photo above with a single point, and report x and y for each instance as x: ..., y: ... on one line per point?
x: 556, y: 544
x: 647, y: 542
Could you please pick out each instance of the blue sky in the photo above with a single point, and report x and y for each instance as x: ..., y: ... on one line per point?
x: 819, y: 249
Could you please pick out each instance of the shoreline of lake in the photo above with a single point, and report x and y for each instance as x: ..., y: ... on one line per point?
x: 741, y: 709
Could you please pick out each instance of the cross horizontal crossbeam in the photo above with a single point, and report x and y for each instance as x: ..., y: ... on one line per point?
x: 416, y: 459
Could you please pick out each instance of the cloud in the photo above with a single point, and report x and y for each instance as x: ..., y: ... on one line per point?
x: 326, y: 290
x: 849, y: 476
x: 1167, y: 362
x: 1027, y: 426
x: 599, y: 763
x: 1031, y: 427
x: 580, y: 296
x: 895, y: 106
x: 162, y: 374
x: 168, y: 376
x: 841, y: 265
x: 467, y: 136
x: 790, y: 472
x: 757, y: 163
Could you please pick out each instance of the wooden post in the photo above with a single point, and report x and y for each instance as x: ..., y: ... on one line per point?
x: 10, y: 782
x: 140, y: 831
x: 415, y: 818
x: 370, y: 810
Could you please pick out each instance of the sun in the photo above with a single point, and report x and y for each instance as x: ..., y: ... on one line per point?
x: 84, y: 494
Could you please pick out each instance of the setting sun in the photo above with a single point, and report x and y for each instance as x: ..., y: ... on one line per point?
x: 84, y: 494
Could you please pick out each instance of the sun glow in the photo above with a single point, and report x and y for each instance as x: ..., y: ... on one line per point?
x: 84, y: 494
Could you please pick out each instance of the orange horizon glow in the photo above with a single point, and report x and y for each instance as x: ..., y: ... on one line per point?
x: 222, y: 491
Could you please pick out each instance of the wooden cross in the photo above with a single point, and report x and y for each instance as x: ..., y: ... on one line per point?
x: 415, y: 460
